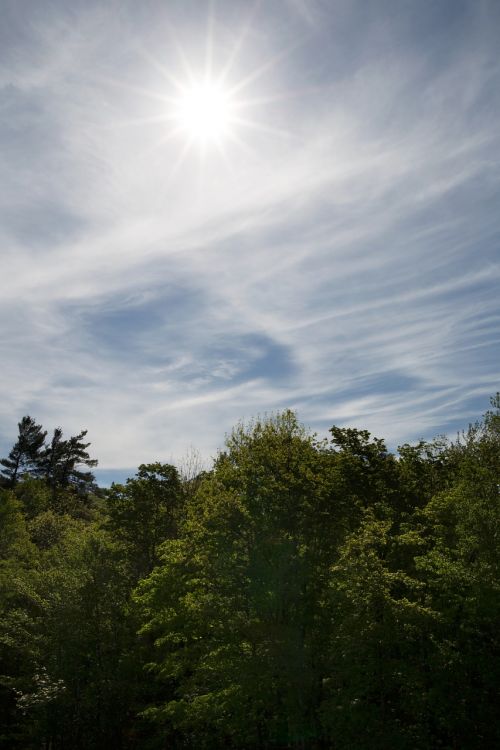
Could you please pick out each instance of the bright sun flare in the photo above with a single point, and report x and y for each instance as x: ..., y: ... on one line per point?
x: 205, y: 108
x: 204, y: 111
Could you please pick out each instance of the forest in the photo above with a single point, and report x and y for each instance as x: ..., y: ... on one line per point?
x: 303, y: 592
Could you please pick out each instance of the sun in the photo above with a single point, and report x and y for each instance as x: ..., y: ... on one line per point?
x: 204, y: 111
x: 212, y: 106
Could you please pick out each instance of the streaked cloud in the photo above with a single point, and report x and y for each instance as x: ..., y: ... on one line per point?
x: 341, y: 260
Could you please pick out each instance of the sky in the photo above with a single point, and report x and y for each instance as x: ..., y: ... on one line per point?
x: 333, y: 250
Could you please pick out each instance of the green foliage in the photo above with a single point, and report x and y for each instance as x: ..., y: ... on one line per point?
x: 58, y: 462
x: 300, y: 594
x: 229, y: 605
x: 34, y: 496
x: 14, y: 538
x: 86, y: 633
x: 145, y: 512
x: 17, y: 557
x: 380, y: 635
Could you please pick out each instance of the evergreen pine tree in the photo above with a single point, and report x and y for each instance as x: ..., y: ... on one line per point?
x: 25, y: 453
x: 60, y: 462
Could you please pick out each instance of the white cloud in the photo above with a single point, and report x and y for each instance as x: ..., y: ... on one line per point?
x: 361, y: 245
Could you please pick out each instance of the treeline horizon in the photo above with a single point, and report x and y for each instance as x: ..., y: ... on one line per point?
x: 300, y: 593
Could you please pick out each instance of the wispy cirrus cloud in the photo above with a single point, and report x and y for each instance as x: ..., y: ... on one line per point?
x: 343, y: 260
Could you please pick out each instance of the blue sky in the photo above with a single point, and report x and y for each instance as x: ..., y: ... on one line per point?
x: 338, y: 254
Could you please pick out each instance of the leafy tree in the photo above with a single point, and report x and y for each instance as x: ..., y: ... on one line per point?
x: 71, y: 662
x: 145, y: 512
x: 14, y: 539
x: 366, y: 473
x: 34, y: 496
x: 461, y: 569
x: 17, y: 558
x: 424, y: 470
x: 233, y: 607
x: 380, y: 635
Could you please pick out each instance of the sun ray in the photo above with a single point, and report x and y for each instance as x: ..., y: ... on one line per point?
x: 202, y: 106
x: 173, y: 35
x: 154, y: 63
x: 150, y: 94
x: 181, y: 158
x: 137, y: 121
x: 239, y: 41
x: 267, y: 65
x: 243, y: 145
x: 209, y: 50
x: 281, y: 96
x: 161, y: 142
x: 254, y: 125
